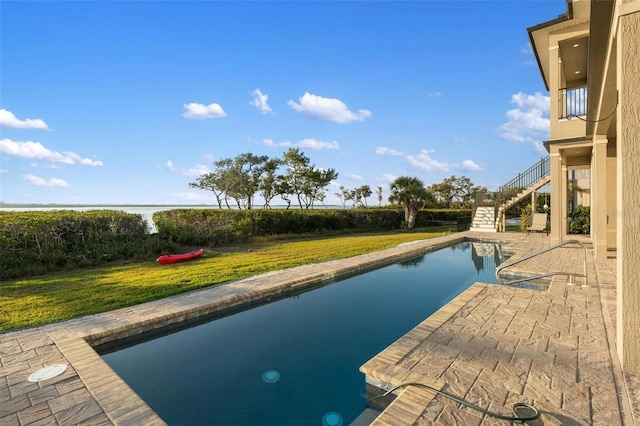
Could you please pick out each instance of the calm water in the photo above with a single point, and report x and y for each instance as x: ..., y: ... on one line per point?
x: 293, y: 361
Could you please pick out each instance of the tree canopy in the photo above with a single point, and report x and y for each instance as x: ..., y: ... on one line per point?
x: 246, y: 175
x: 455, y: 192
x: 410, y: 193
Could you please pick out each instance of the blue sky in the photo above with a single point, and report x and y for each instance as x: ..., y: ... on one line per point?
x: 127, y: 102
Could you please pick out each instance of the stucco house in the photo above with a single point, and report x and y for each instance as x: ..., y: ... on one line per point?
x: 589, y: 59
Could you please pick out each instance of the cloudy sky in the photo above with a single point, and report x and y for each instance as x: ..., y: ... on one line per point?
x: 127, y: 102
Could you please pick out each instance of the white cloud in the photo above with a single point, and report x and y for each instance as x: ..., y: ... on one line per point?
x: 8, y: 119
x: 38, y: 181
x: 387, y: 178
x: 327, y: 109
x: 354, y: 176
x: 31, y: 149
x: 195, y: 171
x: 383, y: 150
x: 260, y: 101
x: 308, y: 143
x: 471, y: 166
x: 529, y: 122
x: 424, y: 162
x: 2, y: 171
x: 198, y: 111
x: 434, y: 94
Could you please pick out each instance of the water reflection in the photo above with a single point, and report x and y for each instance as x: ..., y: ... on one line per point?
x: 486, y: 255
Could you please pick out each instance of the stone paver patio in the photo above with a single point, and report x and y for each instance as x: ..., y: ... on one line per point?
x: 492, y: 345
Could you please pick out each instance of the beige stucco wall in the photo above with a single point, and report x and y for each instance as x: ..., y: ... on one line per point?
x: 612, y: 218
x: 628, y: 130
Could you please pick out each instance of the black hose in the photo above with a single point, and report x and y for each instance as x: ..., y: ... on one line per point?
x: 516, y: 417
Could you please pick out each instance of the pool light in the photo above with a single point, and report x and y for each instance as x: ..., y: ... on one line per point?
x: 332, y: 419
x: 270, y: 376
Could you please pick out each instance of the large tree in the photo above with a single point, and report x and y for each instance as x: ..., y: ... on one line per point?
x: 455, y: 191
x: 302, y: 179
x: 268, y: 185
x: 239, y: 178
x: 208, y: 182
x: 359, y: 195
x: 410, y: 193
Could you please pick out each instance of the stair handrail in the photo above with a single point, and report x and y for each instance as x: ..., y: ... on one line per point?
x: 524, y: 180
x: 530, y: 176
x: 539, y: 252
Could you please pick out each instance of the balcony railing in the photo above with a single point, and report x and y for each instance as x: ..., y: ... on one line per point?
x: 573, y: 102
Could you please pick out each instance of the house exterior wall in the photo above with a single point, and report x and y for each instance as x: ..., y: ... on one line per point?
x: 628, y: 132
x: 614, y: 149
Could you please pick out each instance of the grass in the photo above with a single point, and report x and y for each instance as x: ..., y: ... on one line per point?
x: 50, y: 298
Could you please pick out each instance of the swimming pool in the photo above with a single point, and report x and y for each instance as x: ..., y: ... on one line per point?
x: 296, y: 361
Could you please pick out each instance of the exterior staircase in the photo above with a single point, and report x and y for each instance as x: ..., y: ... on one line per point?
x: 489, y: 209
x: 484, y: 220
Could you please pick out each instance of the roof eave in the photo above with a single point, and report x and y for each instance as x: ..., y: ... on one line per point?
x: 561, y: 18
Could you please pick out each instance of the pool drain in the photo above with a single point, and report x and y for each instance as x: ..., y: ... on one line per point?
x: 270, y: 376
x: 47, y: 373
x: 332, y: 419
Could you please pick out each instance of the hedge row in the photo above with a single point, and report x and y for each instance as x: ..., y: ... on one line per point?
x: 40, y: 242
x: 211, y: 227
x: 37, y: 242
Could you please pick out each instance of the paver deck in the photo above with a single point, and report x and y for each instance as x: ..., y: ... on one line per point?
x: 492, y: 345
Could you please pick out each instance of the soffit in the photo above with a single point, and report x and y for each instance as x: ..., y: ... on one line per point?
x: 574, y: 55
x: 577, y: 13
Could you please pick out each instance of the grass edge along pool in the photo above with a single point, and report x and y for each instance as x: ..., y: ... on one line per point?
x: 296, y: 361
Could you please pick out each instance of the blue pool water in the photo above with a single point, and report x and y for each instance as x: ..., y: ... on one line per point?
x: 295, y: 361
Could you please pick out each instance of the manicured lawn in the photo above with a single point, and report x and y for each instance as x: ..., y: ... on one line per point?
x: 55, y: 297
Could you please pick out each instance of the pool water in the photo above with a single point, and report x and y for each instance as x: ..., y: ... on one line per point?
x: 295, y: 361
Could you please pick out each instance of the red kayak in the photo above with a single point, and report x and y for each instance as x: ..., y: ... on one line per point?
x: 175, y: 258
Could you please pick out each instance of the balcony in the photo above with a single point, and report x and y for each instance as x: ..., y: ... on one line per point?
x: 572, y: 102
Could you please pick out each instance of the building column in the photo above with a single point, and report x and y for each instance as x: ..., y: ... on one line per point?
x: 599, y: 198
x: 534, y: 204
x: 564, y: 205
x: 557, y: 195
x: 628, y: 187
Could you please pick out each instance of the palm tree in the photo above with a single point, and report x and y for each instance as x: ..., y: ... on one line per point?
x: 411, y: 194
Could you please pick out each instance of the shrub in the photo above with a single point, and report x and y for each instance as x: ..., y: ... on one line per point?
x: 36, y: 242
x: 218, y: 227
x: 580, y: 220
x: 526, y: 218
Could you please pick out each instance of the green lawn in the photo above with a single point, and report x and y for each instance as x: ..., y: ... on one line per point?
x: 54, y: 297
